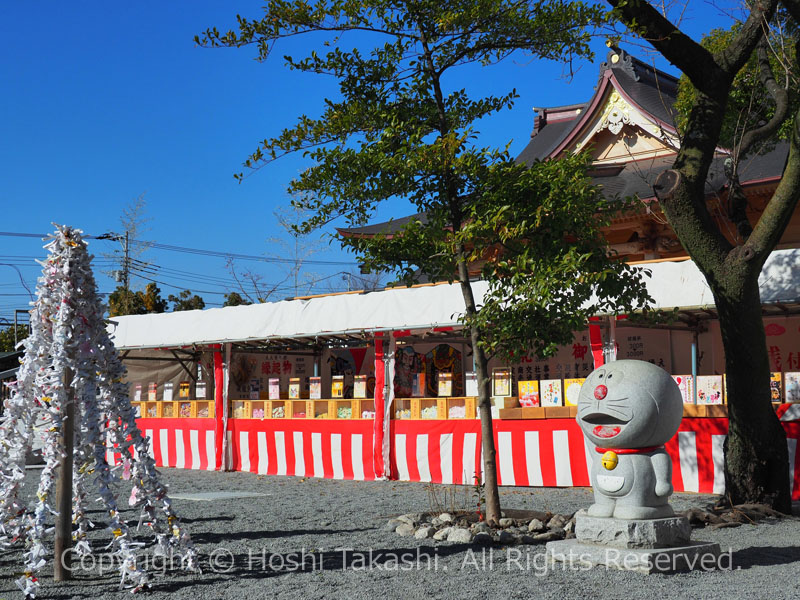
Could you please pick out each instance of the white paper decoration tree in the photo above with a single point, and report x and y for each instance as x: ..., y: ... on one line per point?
x: 69, y: 355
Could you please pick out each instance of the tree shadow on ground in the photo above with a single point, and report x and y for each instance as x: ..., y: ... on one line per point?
x: 224, y: 566
x: 201, y: 519
x: 761, y: 556
x: 216, y: 537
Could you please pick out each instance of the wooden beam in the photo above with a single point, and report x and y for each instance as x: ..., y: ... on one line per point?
x: 192, y: 376
x: 62, y: 569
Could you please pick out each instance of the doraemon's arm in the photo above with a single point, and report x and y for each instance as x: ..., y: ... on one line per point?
x: 662, y: 467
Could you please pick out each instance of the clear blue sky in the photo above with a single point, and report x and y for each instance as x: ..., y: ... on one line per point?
x: 105, y: 101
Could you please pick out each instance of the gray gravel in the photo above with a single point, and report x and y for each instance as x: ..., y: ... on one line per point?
x: 253, y: 540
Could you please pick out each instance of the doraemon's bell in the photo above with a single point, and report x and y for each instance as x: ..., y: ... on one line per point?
x: 609, y: 460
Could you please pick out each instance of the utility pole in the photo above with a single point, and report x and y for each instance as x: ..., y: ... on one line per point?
x: 125, y: 272
x: 126, y: 263
x: 16, y: 324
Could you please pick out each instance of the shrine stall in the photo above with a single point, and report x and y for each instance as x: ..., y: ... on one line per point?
x: 381, y: 385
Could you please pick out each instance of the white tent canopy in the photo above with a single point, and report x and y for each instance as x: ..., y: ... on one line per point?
x: 400, y: 308
x: 670, y: 284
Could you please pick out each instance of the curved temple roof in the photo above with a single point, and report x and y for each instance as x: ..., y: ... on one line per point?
x: 644, y: 99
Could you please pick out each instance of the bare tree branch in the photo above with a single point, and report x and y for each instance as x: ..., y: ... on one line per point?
x: 779, y: 209
x: 687, y: 55
x: 778, y: 93
x: 736, y: 54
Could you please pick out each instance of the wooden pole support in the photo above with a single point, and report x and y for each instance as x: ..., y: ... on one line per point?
x: 63, y: 534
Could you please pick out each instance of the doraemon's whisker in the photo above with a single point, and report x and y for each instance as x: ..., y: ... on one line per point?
x: 618, y: 413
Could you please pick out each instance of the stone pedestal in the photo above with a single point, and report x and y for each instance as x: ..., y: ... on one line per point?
x: 624, y: 533
x: 649, y: 545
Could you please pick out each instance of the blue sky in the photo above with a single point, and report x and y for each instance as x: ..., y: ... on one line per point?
x: 105, y: 101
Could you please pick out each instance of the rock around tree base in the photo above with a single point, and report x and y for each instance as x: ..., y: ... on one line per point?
x: 581, y: 556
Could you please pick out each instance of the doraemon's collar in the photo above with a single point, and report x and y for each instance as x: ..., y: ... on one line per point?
x: 628, y: 450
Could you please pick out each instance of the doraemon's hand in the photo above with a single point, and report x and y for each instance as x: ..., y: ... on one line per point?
x: 662, y: 469
x: 663, y: 488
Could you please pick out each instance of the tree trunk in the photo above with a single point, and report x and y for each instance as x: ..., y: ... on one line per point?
x: 756, y: 456
x: 484, y: 399
x: 487, y: 432
x: 481, y: 363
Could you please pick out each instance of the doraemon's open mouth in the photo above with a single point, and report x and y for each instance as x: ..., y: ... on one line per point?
x: 606, y: 431
x: 606, y: 426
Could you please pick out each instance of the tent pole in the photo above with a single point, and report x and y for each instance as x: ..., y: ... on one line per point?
x: 694, y: 366
x: 612, y: 339
x: 226, y: 369
x: 389, y: 351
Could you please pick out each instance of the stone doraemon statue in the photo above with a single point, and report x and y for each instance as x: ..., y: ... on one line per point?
x: 628, y: 410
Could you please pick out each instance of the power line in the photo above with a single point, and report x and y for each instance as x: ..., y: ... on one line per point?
x: 171, y: 248
x: 145, y: 270
x: 233, y: 255
x: 178, y: 287
x: 41, y: 236
x: 28, y: 235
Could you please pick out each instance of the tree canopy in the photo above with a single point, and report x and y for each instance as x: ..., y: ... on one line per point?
x: 234, y: 299
x: 185, y: 300
x: 7, y: 341
x: 397, y: 132
x: 123, y: 301
x: 400, y: 132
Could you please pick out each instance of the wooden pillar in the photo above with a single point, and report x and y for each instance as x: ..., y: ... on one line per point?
x: 63, y: 534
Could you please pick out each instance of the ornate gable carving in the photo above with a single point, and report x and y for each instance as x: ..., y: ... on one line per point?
x: 616, y: 113
x: 620, y: 133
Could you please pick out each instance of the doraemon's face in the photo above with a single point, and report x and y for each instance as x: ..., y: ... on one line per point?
x: 629, y: 404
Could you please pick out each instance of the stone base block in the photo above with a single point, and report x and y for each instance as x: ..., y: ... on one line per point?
x: 581, y: 556
x: 625, y: 533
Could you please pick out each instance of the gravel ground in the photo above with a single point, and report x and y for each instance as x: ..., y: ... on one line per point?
x: 250, y: 548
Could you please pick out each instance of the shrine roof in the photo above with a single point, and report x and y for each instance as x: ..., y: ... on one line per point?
x: 637, y: 178
x: 652, y: 94
x: 651, y: 91
x: 386, y: 228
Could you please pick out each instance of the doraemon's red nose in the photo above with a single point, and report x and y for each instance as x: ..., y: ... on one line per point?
x: 600, y: 391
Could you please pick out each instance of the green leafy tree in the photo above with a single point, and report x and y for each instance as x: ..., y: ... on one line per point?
x: 733, y: 69
x: 548, y: 265
x: 7, y: 343
x: 234, y: 299
x: 123, y: 301
x: 126, y: 302
x: 186, y: 301
x: 398, y: 132
x: 152, y: 300
x: 753, y: 120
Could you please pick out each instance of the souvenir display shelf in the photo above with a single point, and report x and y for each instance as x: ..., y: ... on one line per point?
x: 304, y: 408
x: 536, y: 412
x: 184, y: 408
x: 464, y: 407
x: 450, y: 407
